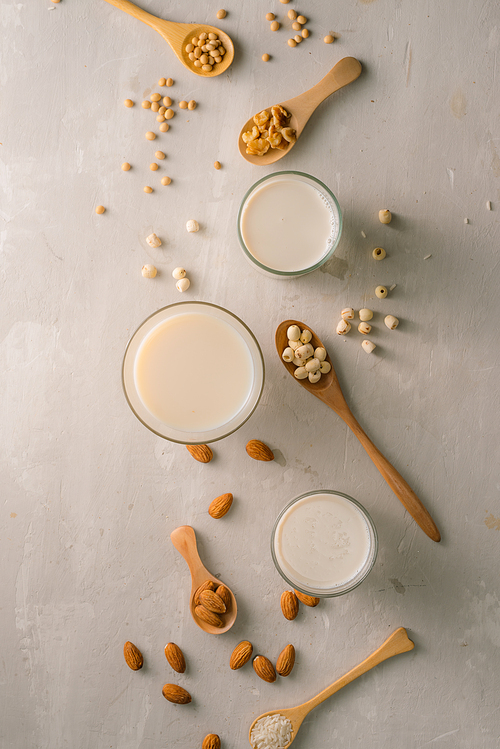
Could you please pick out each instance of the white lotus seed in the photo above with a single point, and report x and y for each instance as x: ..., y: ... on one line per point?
x: 347, y: 313
x: 314, y: 376
x: 301, y: 373
x: 304, y: 352
x: 153, y: 240
x: 288, y: 354
x: 183, y: 284
x: 343, y: 327
x: 178, y: 273
x: 325, y: 367
x: 381, y: 292
x: 294, y: 344
x: 320, y: 353
x: 379, y: 253
x: 149, y: 271
x: 293, y: 333
x: 305, y: 336
x: 364, y: 328
x: 192, y: 225
x: 385, y: 216
x: 368, y: 346
x: 298, y: 362
x: 391, y: 322
x: 312, y: 365
x: 365, y: 314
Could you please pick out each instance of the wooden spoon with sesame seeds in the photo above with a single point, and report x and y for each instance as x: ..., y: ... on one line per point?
x: 178, y: 35
x: 328, y: 390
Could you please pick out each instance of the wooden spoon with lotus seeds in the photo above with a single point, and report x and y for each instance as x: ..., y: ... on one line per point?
x: 328, y: 390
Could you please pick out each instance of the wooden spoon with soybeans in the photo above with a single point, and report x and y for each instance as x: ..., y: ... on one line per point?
x: 301, y: 108
x: 184, y: 540
x: 327, y: 389
x: 179, y: 35
x: 397, y: 643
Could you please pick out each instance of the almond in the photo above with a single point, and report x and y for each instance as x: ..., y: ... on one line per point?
x: 208, y: 616
x: 241, y: 654
x: 225, y: 594
x: 289, y: 605
x: 220, y: 505
x: 212, y: 602
x: 133, y: 656
x: 175, y: 657
x: 259, y: 451
x: 176, y: 694
x: 201, y: 453
x: 307, y: 600
x: 286, y: 660
x: 264, y: 668
x: 211, y: 741
x: 207, y: 585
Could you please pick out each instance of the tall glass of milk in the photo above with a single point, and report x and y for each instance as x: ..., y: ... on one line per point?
x: 324, y: 543
x: 289, y: 224
x: 193, y: 373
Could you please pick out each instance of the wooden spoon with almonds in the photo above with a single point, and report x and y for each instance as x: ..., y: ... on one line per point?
x: 328, y: 390
x: 184, y: 540
x: 301, y: 108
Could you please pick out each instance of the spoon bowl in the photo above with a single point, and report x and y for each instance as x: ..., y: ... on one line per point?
x: 179, y: 34
x: 397, y: 643
x: 301, y: 108
x: 328, y: 390
x: 184, y: 540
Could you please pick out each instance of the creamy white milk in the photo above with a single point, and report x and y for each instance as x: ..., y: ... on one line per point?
x: 322, y: 541
x: 193, y: 372
x: 287, y: 225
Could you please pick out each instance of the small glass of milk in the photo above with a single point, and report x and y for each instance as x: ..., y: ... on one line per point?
x: 289, y: 224
x: 193, y: 373
x: 324, y: 543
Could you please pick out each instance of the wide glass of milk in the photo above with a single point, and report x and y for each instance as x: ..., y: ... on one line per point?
x: 324, y: 543
x: 193, y: 372
x: 289, y: 224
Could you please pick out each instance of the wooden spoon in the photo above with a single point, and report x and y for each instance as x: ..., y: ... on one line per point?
x: 301, y: 107
x: 180, y: 34
x: 184, y: 540
x: 398, y: 642
x: 328, y: 390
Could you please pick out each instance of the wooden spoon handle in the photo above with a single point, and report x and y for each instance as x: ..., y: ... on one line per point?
x: 397, y: 643
x: 184, y: 540
x: 136, y: 12
x: 401, y: 489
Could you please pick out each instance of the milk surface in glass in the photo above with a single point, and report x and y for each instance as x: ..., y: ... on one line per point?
x: 322, y: 541
x: 193, y: 372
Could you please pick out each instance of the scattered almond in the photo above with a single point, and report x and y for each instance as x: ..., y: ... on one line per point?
x: 212, y: 602
x: 225, y: 595
x: 307, y: 600
x: 208, y: 616
x: 207, y: 585
x: 211, y: 741
x: 264, y: 668
x: 176, y: 694
x: 286, y: 661
x: 220, y: 505
x: 289, y: 605
x: 175, y: 657
x: 201, y: 453
x: 259, y: 451
x: 133, y: 656
x: 241, y: 654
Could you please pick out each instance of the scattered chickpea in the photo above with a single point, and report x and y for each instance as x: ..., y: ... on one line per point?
x: 125, y: 166
x: 298, y: 38
x: 169, y: 114
x: 221, y: 13
x: 265, y: 57
x: 270, y: 16
x: 391, y: 322
x: 178, y: 273
x: 149, y: 271
x: 183, y: 284
x: 302, y: 20
x: 292, y: 43
x: 296, y: 26
x: 153, y: 167
x: 146, y: 104
x: 155, y: 97
x: 368, y: 346
x: 343, y: 327
x: 164, y: 127
x: 166, y: 180
x: 162, y: 82
x: 381, y: 292
x: 305, y: 33
x: 365, y: 314
x: 100, y: 209
x: 379, y: 253
x: 217, y: 165
x: 150, y: 135
x: 128, y: 103
x: 275, y: 26
x: 192, y: 104
x: 170, y: 82
x: 364, y: 328
x: 385, y: 216
x: 192, y: 225
x: 292, y: 14
x: 167, y: 101
x: 183, y: 104
x: 148, y: 189
x: 329, y: 39
x: 159, y: 155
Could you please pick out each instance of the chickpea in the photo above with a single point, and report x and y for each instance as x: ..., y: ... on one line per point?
x: 159, y: 155
x: 146, y: 104
x: 221, y: 13
x: 270, y: 16
x: 192, y: 104
x: 153, y: 167
x: 328, y: 39
x: 275, y: 26
x: 265, y: 57
x: 125, y: 166
x: 128, y: 103
x: 150, y: 135
x: 183, y: 104
x: 100, y: 209
x: 162, y: 81
x: 166, y: 180
x: 148, y: 189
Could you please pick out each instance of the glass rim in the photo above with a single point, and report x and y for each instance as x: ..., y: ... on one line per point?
x: 365, y: 570
x: 209, y: 439
x: 303, y: 271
